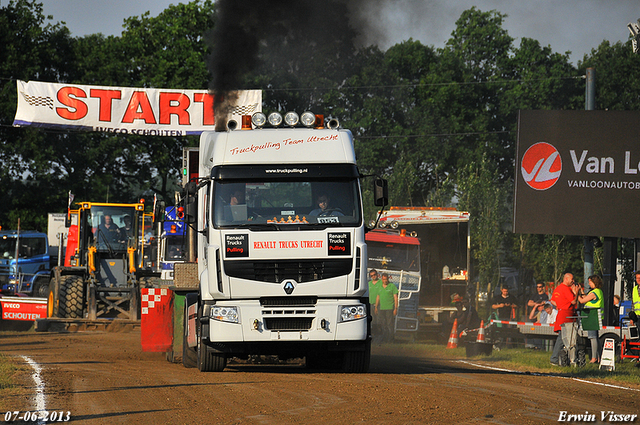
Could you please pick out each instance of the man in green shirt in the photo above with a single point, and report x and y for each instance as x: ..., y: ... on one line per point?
x: 374, y: 284
x: 387, y: 307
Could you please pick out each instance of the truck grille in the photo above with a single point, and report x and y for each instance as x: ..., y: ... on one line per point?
x: 288, y: 301
x: 288, y: 324
x: 276, y: 271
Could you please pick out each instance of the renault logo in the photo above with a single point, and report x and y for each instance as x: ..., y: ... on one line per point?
x: 289, y: 286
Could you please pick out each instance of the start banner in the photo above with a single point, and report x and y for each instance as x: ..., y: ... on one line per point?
x: 126, y: 110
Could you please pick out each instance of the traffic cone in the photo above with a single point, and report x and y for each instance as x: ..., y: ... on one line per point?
x: 481, y: 332
x: 453, y: 338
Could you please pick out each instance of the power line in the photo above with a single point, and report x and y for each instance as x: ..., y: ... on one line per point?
x: 451, y: 83
x: 434, y: 135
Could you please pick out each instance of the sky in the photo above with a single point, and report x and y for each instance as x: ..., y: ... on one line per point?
x: 564, y: 25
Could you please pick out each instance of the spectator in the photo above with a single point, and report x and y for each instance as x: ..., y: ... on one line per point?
x: 548, y: 315
x: 534, y: 316
x: 592, y: 322
x: 387, y: 307
x: 374, y: 284
x: 504, y: 304
x: 616, y: 310
x: 565, y: 298
x: 469, y: 318
x: 635, y: 299
x: 538, y: 300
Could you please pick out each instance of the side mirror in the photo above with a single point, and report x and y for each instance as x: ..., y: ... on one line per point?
x: 380, y: 192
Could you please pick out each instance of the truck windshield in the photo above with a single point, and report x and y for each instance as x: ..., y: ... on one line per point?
x: 174, y: 248
x: 393, y: 256
x: 113, y: 227
x: 284, y: 203
x: 7, y: 247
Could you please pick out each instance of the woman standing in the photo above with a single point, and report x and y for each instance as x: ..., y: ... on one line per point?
x: 593, y: 303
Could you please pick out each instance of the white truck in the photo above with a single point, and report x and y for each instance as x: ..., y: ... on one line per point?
x: 281, y: 253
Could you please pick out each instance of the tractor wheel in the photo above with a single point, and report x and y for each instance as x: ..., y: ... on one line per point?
x: 71, y: 297
x: 52, y: 303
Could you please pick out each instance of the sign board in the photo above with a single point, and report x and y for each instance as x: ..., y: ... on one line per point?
x: 608, y: 354
x: 578, y: 173
x: 124, y: 110
x: 23, y: 308
x: 56, y: 230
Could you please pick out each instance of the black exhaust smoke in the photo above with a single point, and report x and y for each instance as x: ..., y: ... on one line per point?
x: 242, y: 26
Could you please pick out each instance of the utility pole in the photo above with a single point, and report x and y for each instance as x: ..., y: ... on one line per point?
x: 589, y: 105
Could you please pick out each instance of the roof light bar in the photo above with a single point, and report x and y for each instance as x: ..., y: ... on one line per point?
x: 259, y: 119
x: 275, y: 119
x: 308, y: 119
x: 291, y: 119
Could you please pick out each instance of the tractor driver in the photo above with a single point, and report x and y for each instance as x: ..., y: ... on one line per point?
x: 108, y: 230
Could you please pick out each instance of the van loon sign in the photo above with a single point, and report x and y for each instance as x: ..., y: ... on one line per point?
x: 578, y: 173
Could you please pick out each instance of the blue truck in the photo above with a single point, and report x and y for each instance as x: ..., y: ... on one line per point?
x: 25, y: 263
x: 172, y: 241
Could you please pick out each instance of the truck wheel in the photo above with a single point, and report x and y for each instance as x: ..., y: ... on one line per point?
x: 357, y: 361
x: 71, y: 297
x: 208, y: 361
x: 41, y: 288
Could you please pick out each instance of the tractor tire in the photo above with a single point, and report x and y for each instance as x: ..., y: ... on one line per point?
x: 71, y: 297
x: 52, y: 303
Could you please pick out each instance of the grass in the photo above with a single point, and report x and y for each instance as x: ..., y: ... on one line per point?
x: 8, y: 369
x: 537, y: 361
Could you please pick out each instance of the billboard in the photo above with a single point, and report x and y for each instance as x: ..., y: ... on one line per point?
x: 124, y: 110
x: 578, y: 173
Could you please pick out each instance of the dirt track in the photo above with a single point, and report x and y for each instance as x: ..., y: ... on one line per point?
x: 102, y: 377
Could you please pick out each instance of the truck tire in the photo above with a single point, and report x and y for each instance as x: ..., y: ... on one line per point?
x: 208, y: 361
x: 41, y: 288
x: 357, y: 361
x: 71, y: 297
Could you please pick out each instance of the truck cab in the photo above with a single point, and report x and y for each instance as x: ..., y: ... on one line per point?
x: 24, y: 262
x: 281, y: 249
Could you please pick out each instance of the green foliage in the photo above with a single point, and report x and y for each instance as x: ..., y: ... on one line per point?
x: 439, y: 124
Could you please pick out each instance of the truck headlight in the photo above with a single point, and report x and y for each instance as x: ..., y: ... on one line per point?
x: 224, y: 314
x: 352, y: 312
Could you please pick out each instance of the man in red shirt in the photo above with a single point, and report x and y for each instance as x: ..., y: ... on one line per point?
x: 565, y: 298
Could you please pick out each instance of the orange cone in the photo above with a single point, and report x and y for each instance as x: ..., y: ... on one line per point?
x: 481, y: 332
x: 453, y: 338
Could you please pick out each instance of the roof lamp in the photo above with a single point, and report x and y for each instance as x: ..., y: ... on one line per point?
x: 246, y: 122
x: 308, y: 119
x: 291, y: 119
x: 259, y: 119
x: 275, y: 119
